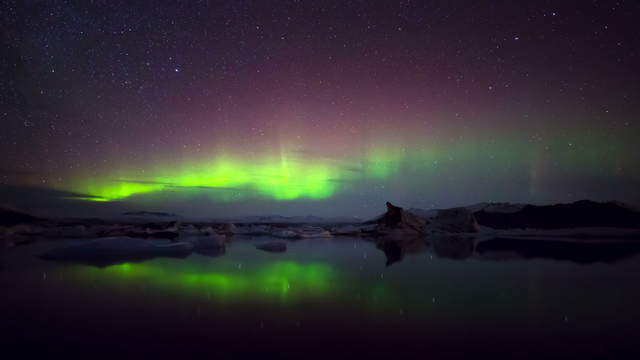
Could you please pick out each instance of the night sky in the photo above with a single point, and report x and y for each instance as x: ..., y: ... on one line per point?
x: 224, y: 108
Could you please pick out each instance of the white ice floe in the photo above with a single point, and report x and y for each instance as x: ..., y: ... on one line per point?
x: 304, y: 232
x: 285, y: 233
x: 347, y: 230
x: 319, y: 234
x: 254, y: 229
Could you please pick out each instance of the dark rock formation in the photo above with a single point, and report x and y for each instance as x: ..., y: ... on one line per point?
x: 396, y: 219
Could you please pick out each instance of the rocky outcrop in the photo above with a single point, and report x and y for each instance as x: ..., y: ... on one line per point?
x: 403, y: 222
x: 397, y: 220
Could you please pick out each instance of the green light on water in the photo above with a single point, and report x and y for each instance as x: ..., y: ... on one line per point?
x: 281, y: 280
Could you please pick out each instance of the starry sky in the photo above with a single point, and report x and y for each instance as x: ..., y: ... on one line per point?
x: 225, y: 108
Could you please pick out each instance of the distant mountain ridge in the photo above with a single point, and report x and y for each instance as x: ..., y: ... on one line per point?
x: 11, y: 217
x: 580, y: 214
x: 583, y: 213
x: 500, y: 207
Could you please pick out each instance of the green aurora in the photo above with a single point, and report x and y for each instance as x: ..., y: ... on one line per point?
x: 288, y: 177
x: 280, y: 180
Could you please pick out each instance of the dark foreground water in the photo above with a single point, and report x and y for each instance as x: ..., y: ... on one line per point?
x: 323, y: 299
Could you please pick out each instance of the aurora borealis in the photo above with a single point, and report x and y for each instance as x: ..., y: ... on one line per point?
x: 316, y: 107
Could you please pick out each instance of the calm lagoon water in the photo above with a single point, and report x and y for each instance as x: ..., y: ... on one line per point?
x: 322, y: 298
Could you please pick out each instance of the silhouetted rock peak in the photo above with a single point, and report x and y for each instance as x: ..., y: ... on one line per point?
x: 397, y: 219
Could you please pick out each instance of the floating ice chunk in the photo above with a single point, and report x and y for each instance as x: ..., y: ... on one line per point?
x: 285, y: 233
x: 317, y: 234
x: 254, y: 230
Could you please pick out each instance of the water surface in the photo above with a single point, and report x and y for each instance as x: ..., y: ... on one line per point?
x: 339, y: 297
